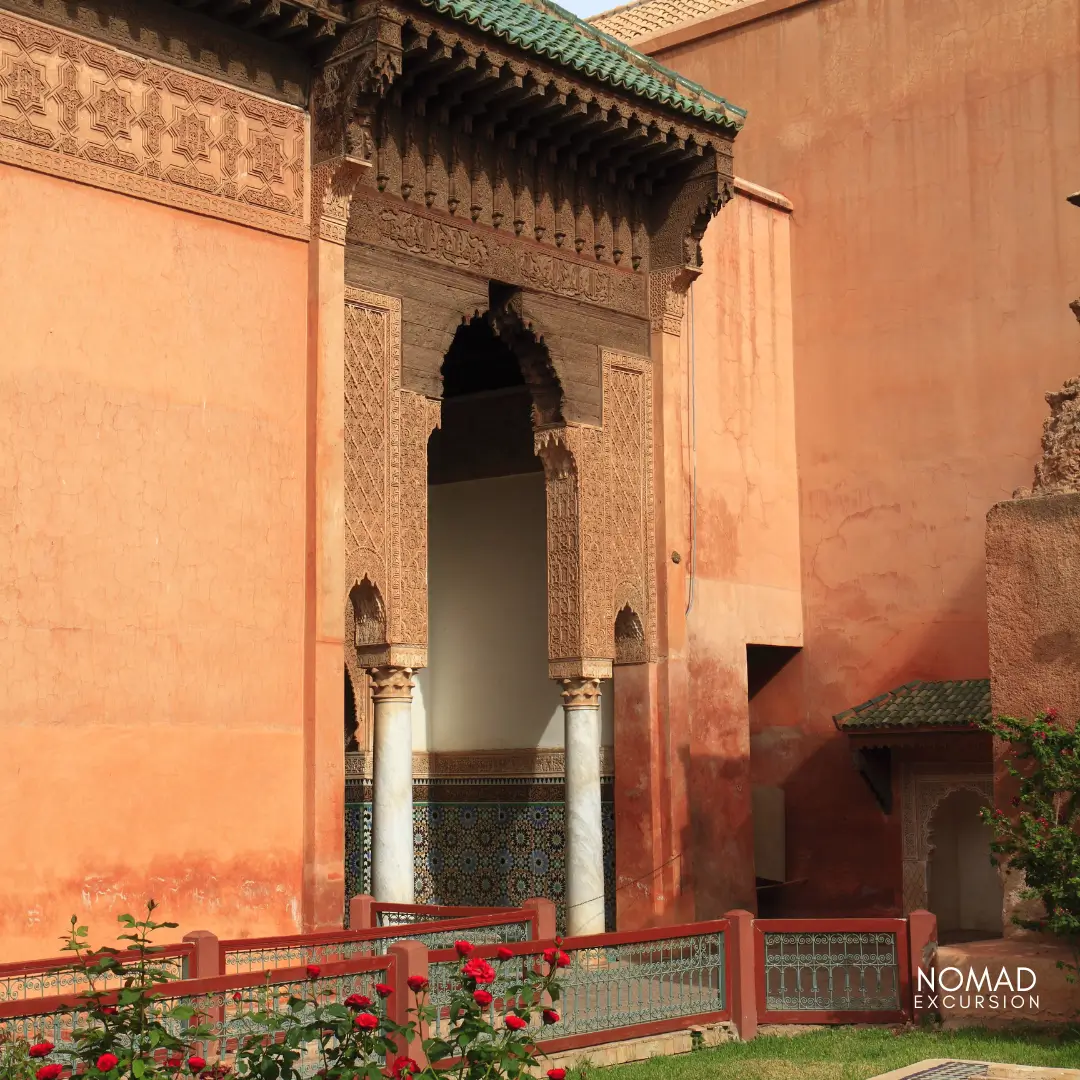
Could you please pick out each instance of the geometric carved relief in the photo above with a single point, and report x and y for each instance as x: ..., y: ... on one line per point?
x: 923, y: 789
x: 600, y: 528
x: 386, y: 436
x: 628, y: 436
x: 83, y: 111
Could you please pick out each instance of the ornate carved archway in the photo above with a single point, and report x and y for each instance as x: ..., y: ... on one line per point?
x: 923, y: 789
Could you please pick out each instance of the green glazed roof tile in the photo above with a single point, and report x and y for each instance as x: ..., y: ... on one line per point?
x: 548, y: 30
x: 960, y: 703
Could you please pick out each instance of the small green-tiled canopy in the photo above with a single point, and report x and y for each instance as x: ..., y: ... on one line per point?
x: 958, y: 704
x: 547, y: 30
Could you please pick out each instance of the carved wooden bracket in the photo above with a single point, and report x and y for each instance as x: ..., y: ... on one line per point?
x: 347, y: 91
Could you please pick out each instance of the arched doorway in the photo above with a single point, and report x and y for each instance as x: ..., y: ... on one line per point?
x: 964, y: 889
x: 486, y: 694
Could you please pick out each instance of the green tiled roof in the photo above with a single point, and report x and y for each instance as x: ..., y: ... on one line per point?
x: 548, y: 30
x: 921, y: 704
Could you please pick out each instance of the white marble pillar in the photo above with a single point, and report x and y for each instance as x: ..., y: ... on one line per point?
x: 584, y: 833
x: 392, y: 784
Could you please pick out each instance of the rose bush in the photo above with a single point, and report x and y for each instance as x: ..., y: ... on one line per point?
x: 130, y: 1030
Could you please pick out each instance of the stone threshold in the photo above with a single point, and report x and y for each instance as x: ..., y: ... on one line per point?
x: 951, y: 1069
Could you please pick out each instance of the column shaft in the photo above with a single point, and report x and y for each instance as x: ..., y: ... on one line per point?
x: 584, y: 831
x: 392, y: 783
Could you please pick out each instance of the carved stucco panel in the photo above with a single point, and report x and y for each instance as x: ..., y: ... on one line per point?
x: 628, y: 439
x: 372, y: 405
x: 601, y: 524
x: 88, y: 112
x: 409, y: 607
x: 386, y: 436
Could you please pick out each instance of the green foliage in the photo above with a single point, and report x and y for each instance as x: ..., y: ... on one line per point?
x: 15, y: 1060
x: 127, y: 1030
x: 1041, y: 839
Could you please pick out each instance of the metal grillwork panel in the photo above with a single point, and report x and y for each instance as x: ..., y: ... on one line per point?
x: 613, y: 987
x: 274, y: 957
x: 26, y: 986
x: 299, y: 954
x: 831, y: 972
x: 229, y: 1020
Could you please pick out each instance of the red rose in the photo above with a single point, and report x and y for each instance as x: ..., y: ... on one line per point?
x: 175, y: 1061
x: 357, y: 1001
x: 383, y: 990
x: 556, y: 1074
x: 49, y: 1072
x: 109, y: 1010
x: 313, y: 971
x: 41, y: 1049
x: 107, y: 1062
x: 504, y: 953
x: 238, y: 996
x: 481, y: 997
x: 515, y: 1023
x: 366, y: 1021
x: 1051, y: 715
x: 563, y: 960
x: 549, y: 955
x: 463, y: 947
x: 558, y: 940
x: 417, y: 983
x: 550, y: 1016
x: 196, y: 1064
x: 480, y: 970
x: 405, y: 1067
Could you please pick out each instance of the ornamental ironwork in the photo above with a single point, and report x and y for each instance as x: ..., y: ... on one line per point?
x: 613, y: 987
x: 832, y: 972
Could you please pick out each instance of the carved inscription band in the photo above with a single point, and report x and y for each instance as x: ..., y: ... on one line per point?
x: 87, y: 112
x: 491, y: 253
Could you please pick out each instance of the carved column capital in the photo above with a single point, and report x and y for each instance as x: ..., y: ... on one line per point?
x: 581, y: 693
x: 333, y: 183
x: 391, y: 683
x: 667, y: 298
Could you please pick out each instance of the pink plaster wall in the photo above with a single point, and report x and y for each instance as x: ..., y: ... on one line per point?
x: 927, y: 149
x: 744, y: 579
x: 152, y: 451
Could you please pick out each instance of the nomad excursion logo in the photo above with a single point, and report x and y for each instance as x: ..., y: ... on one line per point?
x: 951, y: 988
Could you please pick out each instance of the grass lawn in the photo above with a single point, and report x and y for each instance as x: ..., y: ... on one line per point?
x: 850, y: 1054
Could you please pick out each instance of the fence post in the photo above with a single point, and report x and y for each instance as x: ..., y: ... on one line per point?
x: 361, y: 917
x: 543, y: 919
x: 741, y: 961
x: 410, y: 958
x: 206, y: 960
x: 922, y: 943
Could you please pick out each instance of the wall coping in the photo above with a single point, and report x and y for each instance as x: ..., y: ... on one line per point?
x: 763, y: 195
x: 707, y: 25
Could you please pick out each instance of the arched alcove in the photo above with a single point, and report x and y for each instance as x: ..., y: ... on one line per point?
x: 964, y: 889
x: 369, y: 613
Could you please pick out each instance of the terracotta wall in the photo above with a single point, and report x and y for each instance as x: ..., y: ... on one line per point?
x: 927, y: 149
x: 743, y: 578
x: 152, y: 456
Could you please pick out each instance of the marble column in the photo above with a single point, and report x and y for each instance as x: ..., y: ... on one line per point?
x: 584, y: 833
x: 392, y: 797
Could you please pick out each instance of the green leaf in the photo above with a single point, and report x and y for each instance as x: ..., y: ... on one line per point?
x: 138, y: 1067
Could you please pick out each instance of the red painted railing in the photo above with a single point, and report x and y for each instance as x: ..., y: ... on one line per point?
x: 616, y: 987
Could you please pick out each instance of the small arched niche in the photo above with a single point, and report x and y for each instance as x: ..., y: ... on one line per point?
x: 630, y: 645
x: 369, y: 613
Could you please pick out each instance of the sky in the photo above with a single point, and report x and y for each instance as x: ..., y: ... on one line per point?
x: 586, y: 8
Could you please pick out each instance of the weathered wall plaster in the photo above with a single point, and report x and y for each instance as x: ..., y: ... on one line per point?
x: 152, y: 446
